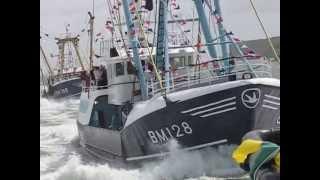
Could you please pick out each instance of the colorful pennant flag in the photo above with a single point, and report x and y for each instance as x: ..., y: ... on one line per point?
x: 236, y: 39
x: 132, y: 6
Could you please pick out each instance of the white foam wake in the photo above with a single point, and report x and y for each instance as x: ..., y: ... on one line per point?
x: 57, y: 129
x: 179, y: 165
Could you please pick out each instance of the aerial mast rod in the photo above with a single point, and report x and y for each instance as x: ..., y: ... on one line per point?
x: 91, y: 21
x: 222, y: 33
x: 75, y: 43
x: 134, y: 45
x: 162, y: 59
x: 203, y: 21
x: 205, y: 27
x: 265, y: 32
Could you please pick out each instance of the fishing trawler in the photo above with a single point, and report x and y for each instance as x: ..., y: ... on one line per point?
x: 64, y: 82
x: 199, y: 104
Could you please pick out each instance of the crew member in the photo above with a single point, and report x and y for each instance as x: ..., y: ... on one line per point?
x: 259, y: 154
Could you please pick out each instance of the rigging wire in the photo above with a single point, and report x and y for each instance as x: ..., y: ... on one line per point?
x: 265, y: 32
x: 113, y: 20
x: 151, y: 56
x: 179, y: 26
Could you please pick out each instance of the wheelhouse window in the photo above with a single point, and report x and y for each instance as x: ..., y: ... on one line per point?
x: 178, y: 61
x: 119, y: 69
x: 106, y: 116
x: 189, y: 60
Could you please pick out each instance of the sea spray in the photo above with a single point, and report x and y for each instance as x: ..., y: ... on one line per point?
x: 177, y: 165
x: 186, y: 164
x: 57, y: 129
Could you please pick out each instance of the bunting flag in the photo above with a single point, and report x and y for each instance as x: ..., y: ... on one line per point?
x: 173, y: 3
x: 115, y: 7
x: 236, y: 39
x: 133, y: 32
x: 252, y: 55
x: 199, y: 45
x: 183, y: 22
x: 132, y: 7
x: 147, y: 23
x: 205, y: 64
x: 250, y: 51
x: 109, y: 27
x: 97, y: 56
x: 219, y: 19
x: 215, y: 65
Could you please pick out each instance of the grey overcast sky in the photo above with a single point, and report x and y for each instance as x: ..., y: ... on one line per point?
x: 238, y: 17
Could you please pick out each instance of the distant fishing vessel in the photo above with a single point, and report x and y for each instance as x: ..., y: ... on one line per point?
x: 162, y: 91
x: 64, y: 82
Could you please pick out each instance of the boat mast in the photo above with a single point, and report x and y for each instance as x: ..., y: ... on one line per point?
x: 61, y: 45
x: 162, y: 59
x: 134, y: 45
x: 75, y: 43
x: 46, y: 60
x: 91, y: 21
x: 205, y: 28
x: 222, y: 35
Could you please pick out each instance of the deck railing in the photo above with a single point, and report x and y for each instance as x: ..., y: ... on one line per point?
x: 192, y: 76
x: 65, y: 76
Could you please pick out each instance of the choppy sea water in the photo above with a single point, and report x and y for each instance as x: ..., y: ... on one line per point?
x: 62, y: 158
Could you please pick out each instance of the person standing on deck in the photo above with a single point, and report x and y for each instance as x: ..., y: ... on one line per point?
x: 97, y: 75
x: 103, y: 78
